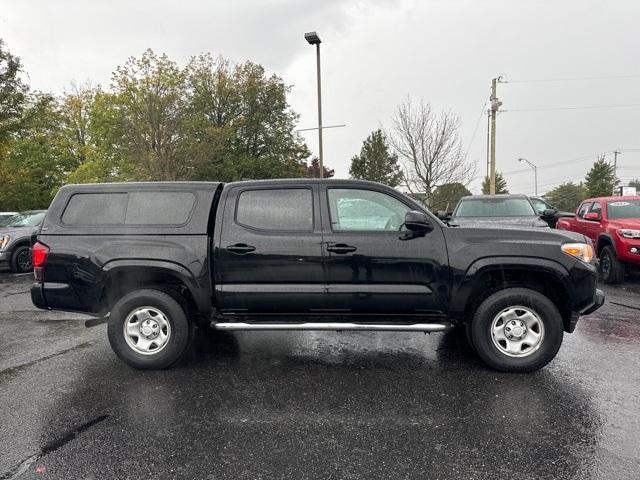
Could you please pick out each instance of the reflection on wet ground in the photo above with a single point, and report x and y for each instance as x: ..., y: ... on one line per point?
x: 319, y: 405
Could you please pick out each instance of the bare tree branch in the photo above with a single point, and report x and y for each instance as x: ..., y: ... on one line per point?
x: 429, y: 147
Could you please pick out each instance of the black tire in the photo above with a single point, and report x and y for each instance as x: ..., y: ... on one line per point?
x: 540, y: 306
x: 21, y: 260
x: 611, y: 268
x: 178, y: 340
x: 467, y: 333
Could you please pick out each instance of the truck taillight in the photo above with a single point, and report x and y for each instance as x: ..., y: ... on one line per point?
x: 39, y: 258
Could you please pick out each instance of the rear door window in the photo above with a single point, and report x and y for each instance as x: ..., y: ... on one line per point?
x: 289, y: 209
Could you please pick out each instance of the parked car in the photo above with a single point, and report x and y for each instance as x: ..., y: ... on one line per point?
x: 542, y: 206
x: 4, y: 216
x: 15, y: 240
x: 613, y: 225
x: 514, y: 211
x: 162, y: 262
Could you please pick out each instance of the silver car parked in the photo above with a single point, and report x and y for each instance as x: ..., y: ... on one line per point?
x: 15, y: 240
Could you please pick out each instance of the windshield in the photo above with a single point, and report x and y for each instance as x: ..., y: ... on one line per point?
x: 4, y: 218
x: 27, y: 219
x: 495, y: 207
x: 624, y: 209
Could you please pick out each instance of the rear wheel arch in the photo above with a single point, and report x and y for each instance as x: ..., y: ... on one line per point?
x: 121, y: 280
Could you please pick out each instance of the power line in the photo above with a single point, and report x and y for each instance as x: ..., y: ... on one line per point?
x: 558, y: 181
x: 475, y: 130
x: 572, y: 79
x: 576, y: 107
x: 567, y: 162
x: 571, y: 161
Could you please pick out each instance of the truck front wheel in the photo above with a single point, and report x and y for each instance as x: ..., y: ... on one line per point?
x: 517, y: 330
x: 612, y: 269
x: 148, y: 329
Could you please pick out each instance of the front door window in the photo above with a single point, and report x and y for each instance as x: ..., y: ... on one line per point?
x: 365, y: 210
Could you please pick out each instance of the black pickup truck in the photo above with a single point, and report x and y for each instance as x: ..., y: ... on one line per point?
x: 164, y: 262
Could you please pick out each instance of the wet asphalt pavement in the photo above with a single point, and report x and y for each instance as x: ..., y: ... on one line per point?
x: 303, y: 405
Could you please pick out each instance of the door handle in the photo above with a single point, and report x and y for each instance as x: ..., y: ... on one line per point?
x: 341, y: 248
x: 240, y: 248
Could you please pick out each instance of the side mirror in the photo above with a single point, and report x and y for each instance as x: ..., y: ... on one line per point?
x: 548, y: 214
x: 592, y: 216
x: 417, y: 222
x: 444, y: 216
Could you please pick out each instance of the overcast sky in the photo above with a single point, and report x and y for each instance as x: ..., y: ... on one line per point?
x: 374, y: 54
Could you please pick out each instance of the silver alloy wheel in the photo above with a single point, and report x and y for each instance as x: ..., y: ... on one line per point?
x: 517, y: 331
x: 147, y: 330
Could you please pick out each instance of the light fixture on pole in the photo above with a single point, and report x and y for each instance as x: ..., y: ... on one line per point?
x: 535, y: 172
x: 314, y: 39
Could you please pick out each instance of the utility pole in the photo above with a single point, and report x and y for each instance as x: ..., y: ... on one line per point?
x: 495, y: 104
x: 615, y: 162
x: 488, y: 141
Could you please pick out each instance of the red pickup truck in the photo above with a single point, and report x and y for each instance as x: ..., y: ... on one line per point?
x: 613, y: 225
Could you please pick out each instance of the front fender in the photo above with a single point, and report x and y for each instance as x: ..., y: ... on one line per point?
x: 466, y: 282
x: 608, y: 238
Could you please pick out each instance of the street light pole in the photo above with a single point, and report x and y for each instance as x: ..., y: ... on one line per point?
x: 535, y: 172
x: 314, y: 39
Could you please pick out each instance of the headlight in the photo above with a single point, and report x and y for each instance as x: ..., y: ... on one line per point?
x: 582, y: 251
x: 628, y: 233
x: 4, y: 241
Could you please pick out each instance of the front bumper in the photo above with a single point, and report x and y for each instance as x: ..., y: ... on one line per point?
x: 597, y: 303
x: 624, y: 253
x: 5, y: 259
x: 598, y: 300
x: 583, y: 295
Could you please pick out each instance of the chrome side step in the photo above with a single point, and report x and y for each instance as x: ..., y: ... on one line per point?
x: 416, y: 327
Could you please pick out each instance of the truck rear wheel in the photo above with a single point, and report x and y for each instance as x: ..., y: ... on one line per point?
x: 148, y: 329
x: 612, y: 269
x: 517, y: 330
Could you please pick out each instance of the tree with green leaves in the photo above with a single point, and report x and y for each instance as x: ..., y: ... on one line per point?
x: 241, y: 123
x: 501, y: 185
x: 446, y: 197
x: 376, y: 162
x: 313, y: 170
x: 151, y: 94
x: 13, y: 94
x: 601, y: 179
x: 33, y: 166
x: 567, y: 196
x: 211, y: 120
